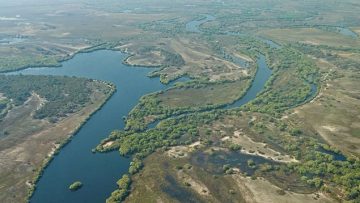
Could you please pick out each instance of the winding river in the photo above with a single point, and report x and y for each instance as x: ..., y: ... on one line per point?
x: 194, y: 26
x: 99, y: 172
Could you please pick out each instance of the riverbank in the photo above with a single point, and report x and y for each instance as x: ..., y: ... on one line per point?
x: 76, y: 157
x: 58, y: 147
x: 59, y: 61
x: 34, y: 152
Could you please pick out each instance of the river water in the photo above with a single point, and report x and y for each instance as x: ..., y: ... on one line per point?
x: 99, y: 172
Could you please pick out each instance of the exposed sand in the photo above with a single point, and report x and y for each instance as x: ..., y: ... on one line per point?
x: 182, y: 151
x: 108, y: 144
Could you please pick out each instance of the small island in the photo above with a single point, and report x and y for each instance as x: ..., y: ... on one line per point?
x: 75, y: 186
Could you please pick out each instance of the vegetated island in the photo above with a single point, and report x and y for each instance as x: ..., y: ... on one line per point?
x: 75, y: 186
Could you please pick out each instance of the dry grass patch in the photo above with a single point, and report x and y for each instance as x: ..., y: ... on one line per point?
x: 200, y: 61
x: 261, y: 190
x: 311, y: 36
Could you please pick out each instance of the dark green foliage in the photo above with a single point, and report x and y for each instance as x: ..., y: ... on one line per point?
x: 124, y: 182
x: 135, y: 166
x: 251, y: 163
x: 295, y: 132
x: 234, y: 147
x: 120, y: 194
x: 63, y: 95
x: 3, y: 104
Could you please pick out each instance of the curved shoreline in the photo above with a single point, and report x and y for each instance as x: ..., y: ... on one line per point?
x: 33, y: 181
x: 89, y: 134
x: 71, y: 56
x: 49, y: 159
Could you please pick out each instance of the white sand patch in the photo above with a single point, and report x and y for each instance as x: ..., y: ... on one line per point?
x: 178, y: 152
x: 182, y: 151
x: 108, y: 144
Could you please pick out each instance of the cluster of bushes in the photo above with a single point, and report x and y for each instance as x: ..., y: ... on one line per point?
x: 75, y: 186
x: 123, y: 190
